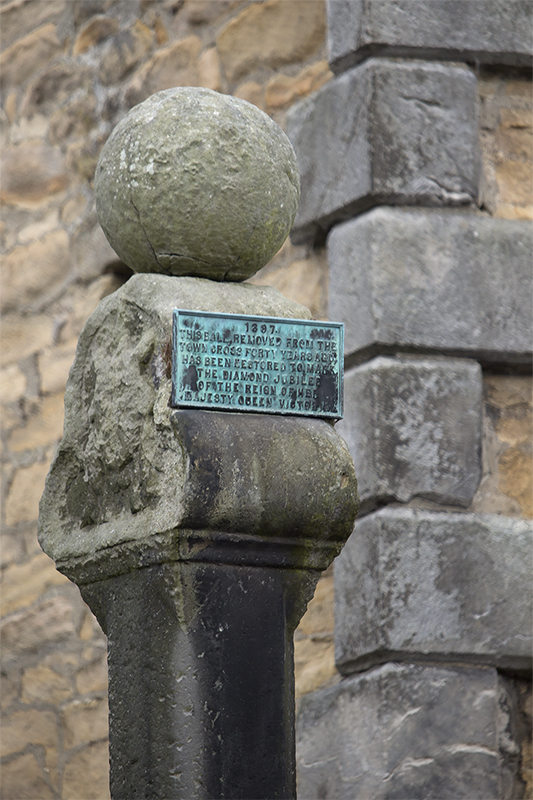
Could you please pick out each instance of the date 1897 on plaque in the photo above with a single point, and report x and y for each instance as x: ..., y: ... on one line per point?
x: 235, y: 362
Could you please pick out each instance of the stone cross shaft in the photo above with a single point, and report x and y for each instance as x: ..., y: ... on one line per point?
x: 196, y: 536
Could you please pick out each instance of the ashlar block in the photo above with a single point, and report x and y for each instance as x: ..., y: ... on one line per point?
x: 415, y: 585
x: 386, y: 132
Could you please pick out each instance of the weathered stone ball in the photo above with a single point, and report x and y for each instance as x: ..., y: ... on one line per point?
x: 193, y: 182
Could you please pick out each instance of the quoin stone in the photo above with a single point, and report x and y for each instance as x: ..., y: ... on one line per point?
x: 193, y: 182
x: 408, y: 745
x: 385, y: 132
x: 459, y: 590
x: 478, y: 31
x: 413, y: 426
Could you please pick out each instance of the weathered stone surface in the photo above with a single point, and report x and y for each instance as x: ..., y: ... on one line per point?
x: 24, y: 632
x: 32, y: 172
x: 94, y: 31
x: 23, y: 499
x: 516, y: 477
x: 74, y: 119
x: 30, y: 270
x: 426, y: 281
x: 83, y: 155
x: 271, y: 34
x: 514, y: 181
x: 160, y: 30
x: 50, y: 89
x: 91, y: 252
x: 125, y: 51
x: 39, y: 228
x: 192, y: 182
x: 271, y: 455
x: 35, y: 127
x: 22, y: 337
x: 385, y: 132
x: 314, y: 664
x: 22, y: 584
x: 10, y: 106
x: 175, y: 65
x: 314, y: 651
x: 41, y: 684
x: 12, y: 384
x: 413, y: 427
x: 303, y: 281
x: 92, y: 760
x: 144, y: 470
x: 85, y: 9
x: 84, y: 721
x: 20, y: 17
x: 82, y: 301
x: 74, y: 208
x: 209, y: 70
x: 409, y: 731
x: 252, y: 92
x: 22, y: 727
x: 201, y: 12
x: 24, y: 774
x: 41, y: 429
x: 92, y: 678
x: 415, y: 585
x: 54, y: 366
x: 10, y: 691
x: 480, y: 31
x: 282, y: 90
x: 12, y: 548
x: 525, y: 690
x: 319, y: 619
x: 28, y: 54
x: 514, y: 133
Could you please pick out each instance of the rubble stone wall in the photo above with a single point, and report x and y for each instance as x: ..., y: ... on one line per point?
x: 70, y: 70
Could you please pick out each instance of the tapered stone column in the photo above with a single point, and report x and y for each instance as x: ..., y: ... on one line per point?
x: 196, y: 536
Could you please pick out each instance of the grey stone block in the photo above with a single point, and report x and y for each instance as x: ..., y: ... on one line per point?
x: 385, y: 132
x: 420, y: 585
x: 413, y: 427
x: 412, y: 732
x: 428, y: 281
x: 482, y: 31
x: 132, y: 477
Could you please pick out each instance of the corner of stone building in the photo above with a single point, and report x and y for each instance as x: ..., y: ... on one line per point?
x: 431, y: 284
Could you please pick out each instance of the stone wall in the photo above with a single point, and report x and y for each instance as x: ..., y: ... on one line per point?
x: 70, y: 70
x: 416, y: 163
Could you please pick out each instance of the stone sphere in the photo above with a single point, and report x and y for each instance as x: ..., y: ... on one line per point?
x: 193, y: 182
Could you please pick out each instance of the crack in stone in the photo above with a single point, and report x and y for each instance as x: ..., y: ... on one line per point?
x: 243, y: 248
x: 145, y: 234
x: 190, y: 258
x: 408, y: 763
x: 461, y: 198
x: 422, y: 101
x: 470, y: 748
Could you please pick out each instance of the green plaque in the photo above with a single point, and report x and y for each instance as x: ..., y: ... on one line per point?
x: 235, y: 362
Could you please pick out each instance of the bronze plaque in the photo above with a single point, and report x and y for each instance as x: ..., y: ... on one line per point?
x: 235, y: 362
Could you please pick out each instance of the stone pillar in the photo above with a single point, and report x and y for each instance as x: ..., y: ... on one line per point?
x: 433, y: 599
x: 196, y: 536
